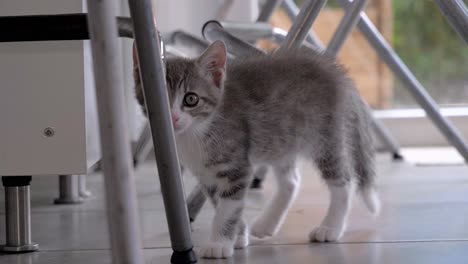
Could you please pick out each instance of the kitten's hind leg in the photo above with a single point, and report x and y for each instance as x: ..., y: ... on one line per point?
x: 337, y: 172
x: 334, y: 223
x: 272, y: 217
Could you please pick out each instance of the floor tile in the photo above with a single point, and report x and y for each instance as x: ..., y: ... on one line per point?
x: 424, y: 219
x: 376, y: 253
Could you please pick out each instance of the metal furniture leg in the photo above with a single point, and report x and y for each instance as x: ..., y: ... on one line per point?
x: 338, y: 39
x: 82, y: 188
x: 117, y: 166
x: 197, y: 198
x: 302, y: 24
x: 343, y: 31
x: 345, y: 27
x: 143, y: 146
x: 382, y: 133
x: 142, y: 149
x: 456, y: 13
x: 387, y: 139
x: 268, y: 9
x: 18, y: 215
x: 253, y: 31
x: 417, y: 90
x: 264, y: 30
x: 195, y: 202
x: 184, y: 38
x: 69, y: 190
x: 157, y: 103
x: 249, y: 31
x: 213, y: 30
x: 243, y: 50
x: 292, y: 11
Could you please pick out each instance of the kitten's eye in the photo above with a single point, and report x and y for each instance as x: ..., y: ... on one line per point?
x: 191, y: 99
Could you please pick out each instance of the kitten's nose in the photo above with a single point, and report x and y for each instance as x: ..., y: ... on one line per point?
x: 175, y: 118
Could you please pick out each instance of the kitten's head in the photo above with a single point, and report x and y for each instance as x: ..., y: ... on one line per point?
x: 195, y: 87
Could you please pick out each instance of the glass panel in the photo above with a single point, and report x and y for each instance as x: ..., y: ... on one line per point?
x: 423, y: 39
x: 432, y: 50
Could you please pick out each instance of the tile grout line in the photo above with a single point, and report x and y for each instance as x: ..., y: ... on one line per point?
x: 293, y: 244
x: 365, y: 242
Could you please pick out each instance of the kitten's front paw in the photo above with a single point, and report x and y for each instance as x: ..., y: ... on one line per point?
x: 262, y: 229
x: 242, y: 241
x: 325, y: 234
x: 217, y: 250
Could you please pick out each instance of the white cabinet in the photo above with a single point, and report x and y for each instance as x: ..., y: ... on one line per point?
x: 42, y: 87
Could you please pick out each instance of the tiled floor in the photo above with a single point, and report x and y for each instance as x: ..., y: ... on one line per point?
x: 424, y: 220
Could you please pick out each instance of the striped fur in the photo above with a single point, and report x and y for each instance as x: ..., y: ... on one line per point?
x: 268, y: 111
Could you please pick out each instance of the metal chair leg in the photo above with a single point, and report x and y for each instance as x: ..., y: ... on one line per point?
x: 117, y: 166
x: 213, y: 30
x: 292, y: 11
x: 302, y: 24
x: 268, y: 9
x: 157, y: 103
x: 456, y: 13
x: 387, y: 139
x: 18, y: 215
x: 197, y: 198
x: 195, y: 202
x: 143, y: 146
x: 417, y: 90
x: 343, y: 31
x: 346, y: 25
x: 187, y: 39
x: 142, y: 149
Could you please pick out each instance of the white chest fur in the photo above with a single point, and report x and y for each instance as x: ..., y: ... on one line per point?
x: 192, y: 155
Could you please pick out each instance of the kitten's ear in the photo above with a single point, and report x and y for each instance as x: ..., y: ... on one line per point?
x: 213, y: 62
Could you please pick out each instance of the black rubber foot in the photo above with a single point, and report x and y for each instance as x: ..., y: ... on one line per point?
x: 16, y: 181
x: 184, y: 257
x: 256, y: 184
x: 397, y: 157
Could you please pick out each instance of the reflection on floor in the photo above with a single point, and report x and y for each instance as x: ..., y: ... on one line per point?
x: 424, y: 220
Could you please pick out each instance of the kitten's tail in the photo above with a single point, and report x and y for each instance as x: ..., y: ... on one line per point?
x: 364, y: 163
x: 371, y: 199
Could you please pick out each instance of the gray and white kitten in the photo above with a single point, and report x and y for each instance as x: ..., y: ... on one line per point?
x: 268, y: 111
